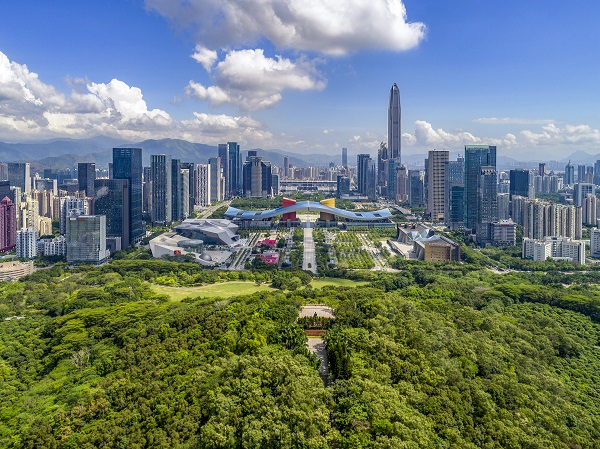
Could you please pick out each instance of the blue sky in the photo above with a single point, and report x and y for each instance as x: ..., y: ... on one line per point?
x: 310, y: 76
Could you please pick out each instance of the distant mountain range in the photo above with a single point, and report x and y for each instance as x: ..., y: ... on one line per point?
x: 65, y: 153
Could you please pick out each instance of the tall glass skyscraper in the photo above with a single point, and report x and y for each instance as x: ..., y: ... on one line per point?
x: 161, y: 171
x: 478, y: 157
x: 112, y: 200
x: 235, y: 169
x: 224, y: 156
x: 86, y: 174
x: 127, y: 164
x: 394, y: 124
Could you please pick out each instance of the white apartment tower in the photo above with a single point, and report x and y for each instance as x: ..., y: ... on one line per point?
x: 202, y: 185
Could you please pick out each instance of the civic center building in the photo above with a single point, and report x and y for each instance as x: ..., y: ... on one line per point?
x: 329, y: 216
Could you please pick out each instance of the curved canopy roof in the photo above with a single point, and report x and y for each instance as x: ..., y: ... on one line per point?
x: 313, y: 206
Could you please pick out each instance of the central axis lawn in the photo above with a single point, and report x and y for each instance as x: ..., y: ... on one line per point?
x: 238, y: 288
x: 224, y: 289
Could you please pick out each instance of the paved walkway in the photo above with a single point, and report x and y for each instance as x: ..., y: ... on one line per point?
x: 316, y: 345
x: 320, y: 309
x: 309, y: 262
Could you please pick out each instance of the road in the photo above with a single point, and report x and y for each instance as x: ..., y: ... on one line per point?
x: 209, y: 211
x: 241, y: 256
x: 309, y: 262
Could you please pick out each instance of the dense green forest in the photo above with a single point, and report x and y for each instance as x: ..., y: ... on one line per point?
x: 433, y: 356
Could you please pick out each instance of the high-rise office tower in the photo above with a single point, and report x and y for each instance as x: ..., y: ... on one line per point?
x: 589, y: 174
x: 160, y: 167
x: 176, y: 193
x: 86, y: 239
x: 394, y: 124
x: 286, y: 166
x: 401, y: 184
x: 70, y: 206
x: 224, y: 155
x: 542, y: 169
x: 19, y: 176
x: 581, y: 189
x: 112, y: 201
x: 343, y: 185
x: 487, y: 208
x: 203, y: 182
x: 3, y: 171
x: 45, y: 184
x: 252, y: 174
x: 184, y: 174
x: 147, y: 191
x: 503, y: 206
x: 8, y: 225
x: 382, y: 163
x: 215, y: 179
x: 190, y: 193
x: 127, y: 164
x: 344, y: 157
x: 267, y: 179
x: 597, y: 173
x: 415, y: 188
x: 235, y: 169
x: 455, y: 193
x: 363, y: 163
x: 86, y: 174
x: 519, y: 183
x: 569, y: 176
x: 476, y: 157
x: 257, y: 180
x: 391, y: 186
x: 436, y: 179
x: 581, y: 173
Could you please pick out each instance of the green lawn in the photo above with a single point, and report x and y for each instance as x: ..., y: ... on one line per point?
x: 228, y: 289
x: 224, y: 289
x: 336, y: 282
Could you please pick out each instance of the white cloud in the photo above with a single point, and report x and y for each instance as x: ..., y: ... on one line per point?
x: 512, y: 121
x: 205, y: 56
x: 31, y: 109
x: 550, y: 135
x: 334, y: 27
x: 568, y: 135
x: 253, y: 81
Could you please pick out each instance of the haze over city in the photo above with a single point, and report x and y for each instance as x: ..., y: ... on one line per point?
x: 304, y: 77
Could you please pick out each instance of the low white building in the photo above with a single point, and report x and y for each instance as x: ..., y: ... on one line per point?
x: 554, y: 248
x: 52, y: 247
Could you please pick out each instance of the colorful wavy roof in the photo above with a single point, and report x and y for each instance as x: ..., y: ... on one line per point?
x: 311, y: 206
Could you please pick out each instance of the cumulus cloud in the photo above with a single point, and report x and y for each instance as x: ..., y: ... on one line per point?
x: 254, y: 81
x: 568, y: 135
x: 205, y: 56
x: 512, y: 121
x: 30, y: 108
x: 335, y: 27
x: 426, y: 136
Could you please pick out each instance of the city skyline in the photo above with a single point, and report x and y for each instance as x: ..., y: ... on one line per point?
x: 170, y: 72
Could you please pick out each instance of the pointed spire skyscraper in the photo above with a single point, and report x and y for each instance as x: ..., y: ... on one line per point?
x: 394, y: 124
